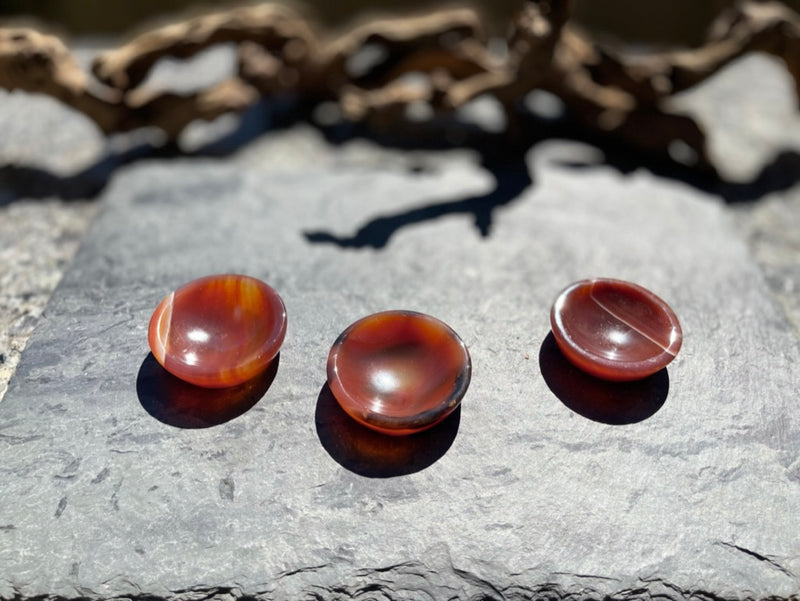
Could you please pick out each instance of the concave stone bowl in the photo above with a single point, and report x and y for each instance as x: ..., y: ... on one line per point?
x: 615, y: 330
x: 218, y: 331
x: 399, y: 372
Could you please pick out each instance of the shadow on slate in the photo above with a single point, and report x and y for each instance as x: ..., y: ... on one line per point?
x: 177, y: 403
x: 503, y: 156
x: 374, y: 455
x: 511, y: 176
x: 782, y: 173
x: 613, y: 403
x: 19, y: 181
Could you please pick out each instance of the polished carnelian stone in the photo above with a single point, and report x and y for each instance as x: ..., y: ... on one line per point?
x: 615, y: 330
x: 399, y: 372
x: 218, y: 331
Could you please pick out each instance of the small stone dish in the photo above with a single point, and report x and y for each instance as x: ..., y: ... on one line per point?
x: 218, y: 331
x: 399, y: 372
x: 615, y: 330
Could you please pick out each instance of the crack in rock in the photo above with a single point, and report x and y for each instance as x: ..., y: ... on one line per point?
x: 757, y: 556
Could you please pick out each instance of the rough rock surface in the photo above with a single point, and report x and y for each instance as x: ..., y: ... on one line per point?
x: 120, y: 482
x: 38, y: 239
x: 41, y: 146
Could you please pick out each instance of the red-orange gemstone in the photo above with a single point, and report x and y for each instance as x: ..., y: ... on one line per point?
x: 218, y: 331
x: 399, y: 372
x: 615, y: 330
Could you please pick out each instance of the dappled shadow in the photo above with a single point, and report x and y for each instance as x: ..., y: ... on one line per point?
x: 505, y: 159
x: 502, y: 155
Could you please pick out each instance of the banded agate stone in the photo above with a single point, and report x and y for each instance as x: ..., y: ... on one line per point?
x: 615, y: 330
x: 399, y: 372
x: 218, y: 331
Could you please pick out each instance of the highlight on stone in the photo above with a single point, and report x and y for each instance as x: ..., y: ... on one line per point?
x: 219, y: 330
x: 399, y: 372
x: 615, y: 330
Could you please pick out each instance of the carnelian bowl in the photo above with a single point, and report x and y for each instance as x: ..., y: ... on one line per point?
x: 399, y: 372
x: 615, y: 330
x: 218, y: 331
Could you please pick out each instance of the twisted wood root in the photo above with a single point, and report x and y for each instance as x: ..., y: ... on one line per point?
x: 440, y: 59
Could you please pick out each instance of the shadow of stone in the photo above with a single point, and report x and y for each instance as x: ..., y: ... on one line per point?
x: 614, y: 403
x: 176, y: 403
x: 374, y: 455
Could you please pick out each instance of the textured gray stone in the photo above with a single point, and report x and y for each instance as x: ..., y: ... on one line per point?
x: 37, y: 242
x: 103, y: 498
x: 118, y: 484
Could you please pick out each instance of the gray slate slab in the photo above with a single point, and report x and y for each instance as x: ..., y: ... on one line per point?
x: 116, y: 482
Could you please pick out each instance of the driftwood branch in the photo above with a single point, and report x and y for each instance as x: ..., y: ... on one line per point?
x: 376, y: 71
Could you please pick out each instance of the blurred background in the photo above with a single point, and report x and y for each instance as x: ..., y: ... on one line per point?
x: 657, y: 22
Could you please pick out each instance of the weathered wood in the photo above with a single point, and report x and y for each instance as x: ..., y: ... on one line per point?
x: 605, y: 90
